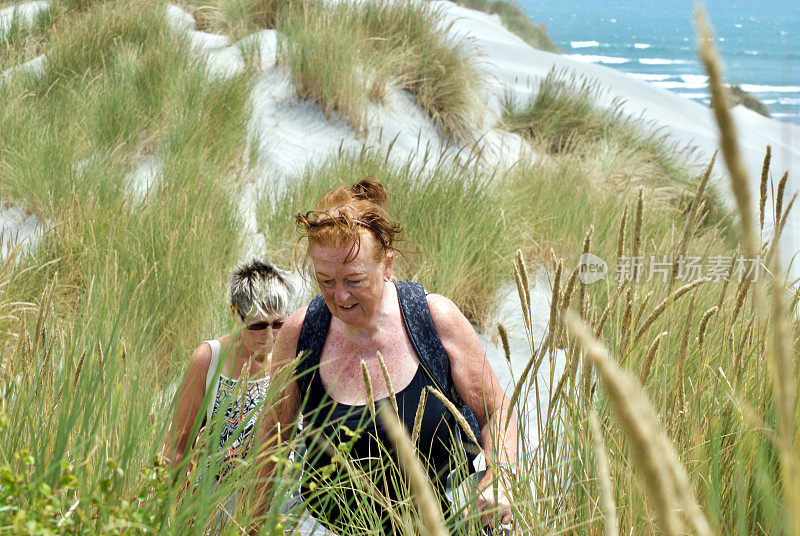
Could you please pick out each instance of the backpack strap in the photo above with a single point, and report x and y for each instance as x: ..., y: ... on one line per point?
x: 431, y: 352
x: 423, y: 335
x: 212, y: 377
x: 312, y: 340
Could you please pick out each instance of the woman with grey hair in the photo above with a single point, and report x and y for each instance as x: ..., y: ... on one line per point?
x: 260, y: 299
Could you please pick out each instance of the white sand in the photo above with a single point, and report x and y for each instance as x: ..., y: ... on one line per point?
x: 22, y: 14
x: 18, y: 229
x: 141, y: 180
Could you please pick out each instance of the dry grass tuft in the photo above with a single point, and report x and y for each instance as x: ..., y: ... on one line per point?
x: 621, y: 236
x: 421, y: 488
x: 727, y: 129
x: 368, y: 387
x: 779, y: 200
x: 462, y: 422
x: 704, y: 324
x: 647, y: 364
x: 663, y: 305
x: 501, y: 330
x: 388, y: 381
x: 607, y: 505
x: 762, y: 202
x: 663, y: 474
x: 554, y: 300
x: 418, y: 417
x: 521, y: 278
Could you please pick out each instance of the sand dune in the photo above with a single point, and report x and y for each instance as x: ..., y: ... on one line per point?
x: 514, y: 65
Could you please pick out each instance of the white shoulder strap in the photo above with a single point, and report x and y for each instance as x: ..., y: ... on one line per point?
x: 212, y: 378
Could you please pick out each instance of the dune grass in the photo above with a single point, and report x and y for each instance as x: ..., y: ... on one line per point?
x: 707, y: 378
x: 545, y: 191
x: 563, y: 108
x: 139, y: 105
x: 516, y: 21
x: 21, y: 40
x: 705, y: 452
x: 345, y: 55
x: 109, y: 304
x: 567, y: 109
x: 577, y: 124
x: 238, y: 18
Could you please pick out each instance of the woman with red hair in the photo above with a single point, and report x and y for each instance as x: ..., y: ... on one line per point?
x: 360, y: 318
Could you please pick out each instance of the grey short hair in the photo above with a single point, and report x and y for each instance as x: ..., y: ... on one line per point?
x: 258, y: 287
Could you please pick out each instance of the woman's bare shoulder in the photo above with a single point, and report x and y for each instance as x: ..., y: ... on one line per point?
x: 295, y: 321
x: 198, y: 370
x: 455, y: 331
x: 286, y: 342
x: 201, y: 359
x: 446, y: 314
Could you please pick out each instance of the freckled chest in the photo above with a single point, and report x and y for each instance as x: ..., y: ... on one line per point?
x: 340, y: 361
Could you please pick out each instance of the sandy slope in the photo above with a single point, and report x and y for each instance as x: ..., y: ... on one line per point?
x: 515, y: 65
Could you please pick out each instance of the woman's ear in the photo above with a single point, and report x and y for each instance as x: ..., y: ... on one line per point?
x: 234, y: 313
x: 388, y: 266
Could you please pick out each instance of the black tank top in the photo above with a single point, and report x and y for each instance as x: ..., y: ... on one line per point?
x: 332, y: 427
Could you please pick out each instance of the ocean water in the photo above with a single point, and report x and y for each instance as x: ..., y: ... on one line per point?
x: 655, y: 40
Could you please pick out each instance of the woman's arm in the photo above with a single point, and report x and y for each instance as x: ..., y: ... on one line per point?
x: 280, y: 417
x: 478, y: 386
x: 190, y: 398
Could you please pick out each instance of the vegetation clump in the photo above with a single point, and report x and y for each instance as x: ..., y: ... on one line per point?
x: 746, y: 99
x: 514, y: 18
x: 586, y: 139
x: 131, y: 98
x: 238, y: 18
x: 564, y: 110
x: 347, y: 55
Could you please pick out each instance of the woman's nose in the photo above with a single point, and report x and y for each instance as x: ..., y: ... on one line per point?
x: 341, y: 294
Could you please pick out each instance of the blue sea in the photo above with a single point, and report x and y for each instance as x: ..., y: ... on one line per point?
x: 655, y: 40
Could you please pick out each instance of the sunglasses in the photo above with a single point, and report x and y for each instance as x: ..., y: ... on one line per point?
x: 258, y: 326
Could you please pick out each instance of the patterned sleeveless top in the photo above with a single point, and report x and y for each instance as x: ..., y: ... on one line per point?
x: 242, y: 408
